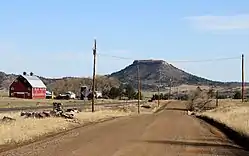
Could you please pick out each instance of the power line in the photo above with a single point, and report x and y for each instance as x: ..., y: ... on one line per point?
x: 178, y: 61
x: 118, y: 57
x: 209, y: 60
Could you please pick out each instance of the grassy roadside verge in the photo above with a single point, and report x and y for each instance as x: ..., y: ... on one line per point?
x: 232, y: 120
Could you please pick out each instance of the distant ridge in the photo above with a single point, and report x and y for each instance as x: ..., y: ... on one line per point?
x: 152, y: 73
x: 155, y: 72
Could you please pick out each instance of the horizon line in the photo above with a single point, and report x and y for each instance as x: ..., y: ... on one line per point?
x: 90, y: 77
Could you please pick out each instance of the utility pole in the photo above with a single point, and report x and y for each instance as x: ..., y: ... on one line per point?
x: 94, y: 73
x: 139, y: 90
x: 243, y: 79
x: 158, y: 98
x: 169, y: 89
x: 217, y: 98
x: 159, y: 95
x: 177, y: 93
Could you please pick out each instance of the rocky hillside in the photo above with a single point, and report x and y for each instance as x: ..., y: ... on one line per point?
x: 155, y: 72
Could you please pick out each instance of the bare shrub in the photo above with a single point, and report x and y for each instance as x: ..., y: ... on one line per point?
x: 199, y: 100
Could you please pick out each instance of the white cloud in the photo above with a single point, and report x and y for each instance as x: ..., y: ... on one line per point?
x: 209, y: 22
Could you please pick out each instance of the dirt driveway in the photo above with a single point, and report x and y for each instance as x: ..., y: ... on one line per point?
x: 168, y: 133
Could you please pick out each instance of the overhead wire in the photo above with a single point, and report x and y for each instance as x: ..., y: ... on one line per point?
x: 113, y: 56
x: 208, y: 60
x: 176, y: 61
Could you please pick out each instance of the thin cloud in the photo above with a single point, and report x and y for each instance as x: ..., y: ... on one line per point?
x: 235, y: 22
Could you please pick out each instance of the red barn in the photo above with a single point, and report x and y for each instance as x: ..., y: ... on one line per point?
x: 28, y: 87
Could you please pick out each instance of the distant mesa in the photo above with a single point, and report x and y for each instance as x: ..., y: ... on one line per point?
x: 154, y: 72
x: 150, y: 61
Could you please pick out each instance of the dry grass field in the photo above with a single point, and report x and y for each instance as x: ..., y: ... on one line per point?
x: 3, y: 93
x: 181, y: 88
x: 232, y: 113
x: 27, y: 129
x: 6, y: 102
x: 23, y: 130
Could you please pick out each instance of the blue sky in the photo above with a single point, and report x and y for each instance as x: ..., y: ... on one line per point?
x: 55, y: 38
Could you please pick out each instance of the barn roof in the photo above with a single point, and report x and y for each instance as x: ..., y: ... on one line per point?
x: 34, y: 81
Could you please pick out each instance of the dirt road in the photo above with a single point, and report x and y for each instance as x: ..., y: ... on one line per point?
x: 168, y: 133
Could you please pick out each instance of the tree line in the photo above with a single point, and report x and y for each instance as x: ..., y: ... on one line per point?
x: 122, y: 92
x: 210, y: 93
x: 126, y: 91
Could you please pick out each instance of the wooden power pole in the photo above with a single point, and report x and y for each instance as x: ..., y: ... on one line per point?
x: 243, y: 79
x: 139, y: 90
x: 177, y: 92
x: 158, y: 98
x: 217, y: 99
x: 170, y: 85
x: 94, y: 73
x: 159, y: 95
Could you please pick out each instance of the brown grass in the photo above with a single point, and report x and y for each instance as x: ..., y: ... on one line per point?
x: 232, y: 113
x: 23, y: 130
x: 3, y: 93
x: 6, y: 102
x: 181, y: 88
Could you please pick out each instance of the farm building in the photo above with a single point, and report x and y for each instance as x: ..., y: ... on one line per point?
x: 28, y: 87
